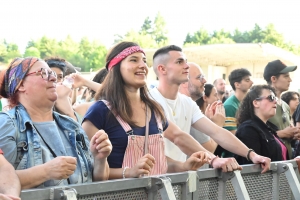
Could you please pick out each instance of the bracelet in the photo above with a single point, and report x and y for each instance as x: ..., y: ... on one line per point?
x: 212, y: 160
x: 123, y: 173
x: 248, y: 154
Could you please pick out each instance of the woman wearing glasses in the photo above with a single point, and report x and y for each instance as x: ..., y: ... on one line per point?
x: 254, y: 129
x: 46, y: 148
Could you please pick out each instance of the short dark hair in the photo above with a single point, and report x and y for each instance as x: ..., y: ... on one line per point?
x: 57, y: 62
x: 237, y: 75
x: 166, y: 50
x: 207, y: 91
x: 288, y: 96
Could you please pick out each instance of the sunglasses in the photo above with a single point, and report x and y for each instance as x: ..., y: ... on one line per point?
x: 271, y: 98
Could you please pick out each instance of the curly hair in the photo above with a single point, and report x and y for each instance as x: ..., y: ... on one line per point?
x: 288, y: 96
x: 246, y: 109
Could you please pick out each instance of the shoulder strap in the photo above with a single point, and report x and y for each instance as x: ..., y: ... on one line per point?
x: 158, y: 122
x: 124, y: 124
x: 21, y: 139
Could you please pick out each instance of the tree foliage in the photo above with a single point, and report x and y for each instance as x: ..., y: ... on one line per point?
x: 257, y: 35
x: 151, y: 35
x: 84, y: 54
x: 8, y: 51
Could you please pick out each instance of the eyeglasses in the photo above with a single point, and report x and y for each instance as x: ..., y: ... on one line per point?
x: 271, y: 98
x: 45, y: 74
x: 201, y: 77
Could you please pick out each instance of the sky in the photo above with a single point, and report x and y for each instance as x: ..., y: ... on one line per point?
x: 23, y: 20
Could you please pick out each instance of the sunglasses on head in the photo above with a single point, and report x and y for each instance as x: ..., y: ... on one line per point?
x: 271, y: 98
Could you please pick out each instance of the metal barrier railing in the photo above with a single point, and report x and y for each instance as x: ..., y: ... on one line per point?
x: 281, y: 182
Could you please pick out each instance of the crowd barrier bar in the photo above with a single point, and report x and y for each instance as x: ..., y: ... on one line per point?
x: 281, y: 182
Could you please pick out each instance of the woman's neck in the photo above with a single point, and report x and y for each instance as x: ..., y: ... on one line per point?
x: 39, y: 113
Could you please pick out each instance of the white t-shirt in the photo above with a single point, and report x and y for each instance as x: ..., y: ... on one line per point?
x: 182, y: 111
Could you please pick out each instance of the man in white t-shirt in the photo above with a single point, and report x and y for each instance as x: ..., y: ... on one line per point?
x: 170, y: 65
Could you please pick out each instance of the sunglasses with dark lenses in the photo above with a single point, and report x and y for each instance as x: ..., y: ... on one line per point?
x: 271, y: 98
x: 53, y: 63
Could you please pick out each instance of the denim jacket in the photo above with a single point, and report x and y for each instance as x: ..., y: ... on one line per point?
x: 29, y: 152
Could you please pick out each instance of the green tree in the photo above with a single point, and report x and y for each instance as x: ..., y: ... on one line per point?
x: 159, y: 33
x: 32, y: 51
x: 200, y: 37
x: 146, y: 27
x: 145, y: 41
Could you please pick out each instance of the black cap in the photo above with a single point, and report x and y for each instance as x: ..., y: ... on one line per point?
x: 275, y: 68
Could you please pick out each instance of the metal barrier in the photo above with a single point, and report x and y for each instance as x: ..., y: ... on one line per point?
x: 281, y: 182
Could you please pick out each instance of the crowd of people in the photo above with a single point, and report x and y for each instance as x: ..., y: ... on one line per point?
x: 54, y: 134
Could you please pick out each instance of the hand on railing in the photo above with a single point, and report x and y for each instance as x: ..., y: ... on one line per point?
x: 227, y: 164
x: 196, y: 160
x: 264, y: 162
x: 143, y: 166
x: 297, y: 159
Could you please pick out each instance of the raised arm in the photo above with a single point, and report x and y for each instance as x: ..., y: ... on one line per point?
x: 79, y: 80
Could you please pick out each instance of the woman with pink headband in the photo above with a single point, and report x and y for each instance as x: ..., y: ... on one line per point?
x: 134, y: 123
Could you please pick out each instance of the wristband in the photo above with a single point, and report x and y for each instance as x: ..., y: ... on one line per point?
x: 123, y: 173
x: 212, y: 160
x: 248, y: 154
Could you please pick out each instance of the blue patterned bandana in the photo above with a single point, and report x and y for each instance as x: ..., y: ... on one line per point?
x: 16, y: 73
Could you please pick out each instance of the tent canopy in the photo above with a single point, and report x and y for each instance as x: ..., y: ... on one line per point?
x: 235, y: 54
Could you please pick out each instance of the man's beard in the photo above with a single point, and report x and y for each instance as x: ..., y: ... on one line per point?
x: 220, y: 92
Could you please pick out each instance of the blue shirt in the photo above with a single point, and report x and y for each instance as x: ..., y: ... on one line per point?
x: 99, y: 115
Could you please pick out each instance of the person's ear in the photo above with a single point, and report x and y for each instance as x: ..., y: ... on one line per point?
x: 205, y: 97
x: 273, y: 79
x: 21, y: 87
x: 256, y: 103
x: 162, y: 69
x: 237, y: 85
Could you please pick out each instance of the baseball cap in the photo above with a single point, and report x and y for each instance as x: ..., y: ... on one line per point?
x: 275, y: 68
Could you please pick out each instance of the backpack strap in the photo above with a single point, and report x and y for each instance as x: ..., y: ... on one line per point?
x: 21, y: 138
x: 124, y: 124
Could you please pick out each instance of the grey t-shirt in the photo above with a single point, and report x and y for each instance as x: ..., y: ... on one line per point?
x: 60, y: 145
x: 199, y: 136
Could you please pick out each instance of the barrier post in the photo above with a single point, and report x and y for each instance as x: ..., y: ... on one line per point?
x: 290, y: 174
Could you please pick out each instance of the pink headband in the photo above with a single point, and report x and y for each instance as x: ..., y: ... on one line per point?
x: 122, y: 55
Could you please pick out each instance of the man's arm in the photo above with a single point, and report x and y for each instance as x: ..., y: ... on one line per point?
x: 9, y: 181
x: 211, y: 145
x: 230, y: 142
x: 189, y: 145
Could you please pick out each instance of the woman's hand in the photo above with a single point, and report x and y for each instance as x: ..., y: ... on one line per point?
x: 100, y: 145
x: 196, y: 160
x: 79, y: 80
x: 143, y: 166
